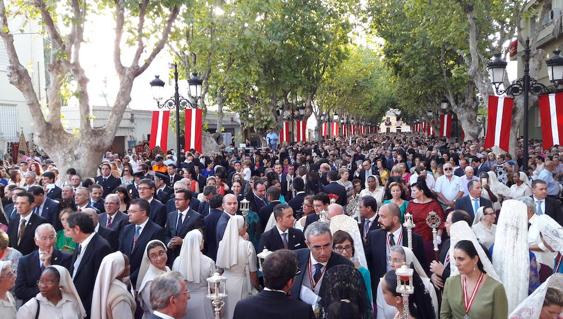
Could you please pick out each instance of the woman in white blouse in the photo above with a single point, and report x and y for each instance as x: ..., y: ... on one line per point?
x: 7, y: 281
x: 521, y: 186
x: 484, y: 226
x: 57, y: 297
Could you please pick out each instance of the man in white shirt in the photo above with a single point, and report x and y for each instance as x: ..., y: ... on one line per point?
x: 448, y: 187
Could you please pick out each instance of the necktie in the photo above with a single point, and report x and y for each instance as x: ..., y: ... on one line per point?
x: 21, y: 230
x: 136, y: 236
x: 391, y: 240
x: 284, y: 239
x: 539, y: 211
x: 78, y: 259
x: 179, y: 223
x: 475, y: 205
x: 366, y: 228
x: 108, y: 225
x: 318, y: 273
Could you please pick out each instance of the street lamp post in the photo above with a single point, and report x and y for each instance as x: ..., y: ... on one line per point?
x: 525, y: 85
x: 177, y: 101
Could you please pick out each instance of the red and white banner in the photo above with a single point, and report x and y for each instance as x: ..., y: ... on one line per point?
x: 324, y: 132
x: 285, y: 133
x: 334, y: 127
x: 446, y: 125
x: 159, y: 130
x: 551, y: 112
x: 304, y: 131
x: 499, y: 122
x: 194, y: 129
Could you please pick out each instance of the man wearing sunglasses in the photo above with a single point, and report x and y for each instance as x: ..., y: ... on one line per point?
x: 448, y: 187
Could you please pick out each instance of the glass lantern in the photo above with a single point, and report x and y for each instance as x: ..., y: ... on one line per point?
x: 244, y: 207
x: 262, y: 257
x: 404, y: 280
x: 216, y: 287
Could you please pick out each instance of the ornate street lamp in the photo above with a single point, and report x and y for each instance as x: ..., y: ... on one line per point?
x: 525, y: 85
x: 177, y: 101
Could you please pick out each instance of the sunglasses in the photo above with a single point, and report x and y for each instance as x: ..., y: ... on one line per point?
x: 448, y: 169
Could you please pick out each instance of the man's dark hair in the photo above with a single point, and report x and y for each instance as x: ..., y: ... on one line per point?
x: 298, y: 184
x: 259, y: 182
x: 274, y: 193
x: 82, y: 220
x: 148, y: 182
x: 323, y: 197
x: 36, y: 190
x: 278, y: 210
x: 333, y: 176
x: 459, y: 215
x: 187, y: 194
x: 49, y: 175
x: 27, y: 195
x: 471, y: 183
x: 216, y: 201
x: 278, y: 268
x: 143, y: 205
x: 98, y: 186
x: 538, y: 181
x: 369, y: 201
x: 208, y: 190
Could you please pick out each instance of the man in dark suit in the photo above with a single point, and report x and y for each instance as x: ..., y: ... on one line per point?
x: 110, y: 235
x: 96, y: 199
x: 230, y: 206
x: 54, y: 192
x: 169, y: 292
x: 315, y: 260
x: 320, y: 204
x: 113, y: 218
x: 157, y: 209
x: 179, y: 223
x: 544, y: 204
x: 87, y: 257
x: 297, y: 201
x: 132, y: 188
x: 210, y: 225
x: 257, y: 196
x: 273, y: 195
x: 194, y: 202
x: 21, y: 229
x: 30, y: 266
x: 82, y: 199
x: 173, y: 175
x: 283, y: 236
x: 208, y: 192
x: 273, y: 302
x: 381, y: 240
x: 336, y: 189
x: 135, y: 236
x: 106, y: 180
x: 163, y: 191
x: 45, y: 207
x: 368, y: 215
x: 471, y: 203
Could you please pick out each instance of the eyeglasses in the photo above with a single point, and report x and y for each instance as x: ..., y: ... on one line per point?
x: 340, y: 248
x: 447, y: 168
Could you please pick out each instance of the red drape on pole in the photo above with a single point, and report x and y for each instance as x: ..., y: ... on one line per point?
x: 551, y: 112
x: 159, y: 130
x: 194, y: 130
x: 499, y: 122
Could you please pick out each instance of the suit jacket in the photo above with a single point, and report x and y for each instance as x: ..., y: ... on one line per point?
x: 50, y: 212
x: 204, y: 208
x: 272, y: 305
x: 172, y: 180
x: 303, y: 257
x: 171, y: 205
x: 265, y: 213
x: 110, y: 235
x: 29, y: 271
x: 10, y: 211
x: 296, y: 204
x: 164, y: 194
x: 158, y: 212
x: 191, y: 221
x: 553, y: 209
x: 109, y: 185
x: 272, y: 240
x: 99, y: 205
x: 444, y: 252
x: 55, y: 193
x: 337, y: 189
x: 376, y: 253
x: 150, y: 231
x: 374, y: 225
x: 27, y: 243
x: 465, y: 204
x: 132, y: 190
x: 255, y: 203
x: 84, y: 275
x: 119, y: 221
x: 221, y: 226
x: 210, y: 234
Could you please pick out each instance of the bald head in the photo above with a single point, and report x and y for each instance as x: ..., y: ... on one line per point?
x: 335, y: 210
x: 230, y: 204
x: 392, y: 209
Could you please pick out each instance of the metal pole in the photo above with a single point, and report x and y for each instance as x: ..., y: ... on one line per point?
x: 526, y: 101
x: 177, y: 102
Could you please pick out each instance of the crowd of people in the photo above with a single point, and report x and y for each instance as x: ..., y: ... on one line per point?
x: 140, y: 239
